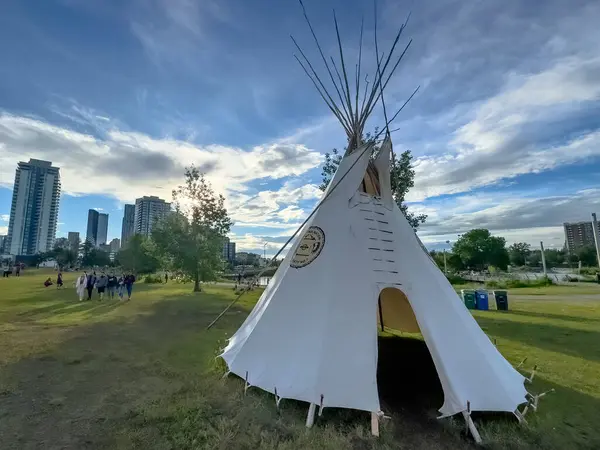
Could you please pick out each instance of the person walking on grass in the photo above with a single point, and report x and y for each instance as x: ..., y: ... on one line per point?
x: 59, y: 281
x: 121, y: 288
x: 101, y: 286
x: 166, y: 277
x: 80, y: 285
x: 129, y: 280
x: 91, y: 282
x: 112, y: 285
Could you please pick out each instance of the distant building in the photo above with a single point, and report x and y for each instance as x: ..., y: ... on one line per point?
x: 127, y: 228
x: 115, y: 245
x: 2, y: 240
x: 104, y: 248
x: 147, y: 211
x: 578, y: 234
x: 34, y: 210
x: 228, y: 250
x: 74, y: 242
x: 97, y: 228
x: 102, y: 229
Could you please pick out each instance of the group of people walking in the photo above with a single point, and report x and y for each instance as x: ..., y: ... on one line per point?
x: 110, y: 284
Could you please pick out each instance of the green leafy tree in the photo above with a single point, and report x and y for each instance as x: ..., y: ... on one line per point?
x: 518, y: 253
x: 139, y: 256
x: 61, y: 243
x: 587, y: 256
x: 191, y: 238
x: 554, y: 257
x: 86, y: 249
x: 438, y: 257
x: 91, y: 256
x: 65, y: 257
x: 402, y: 177
x: 535, y: 258
x: 478, y: 249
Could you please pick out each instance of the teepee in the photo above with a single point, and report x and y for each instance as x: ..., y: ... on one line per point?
x: 356, y: 267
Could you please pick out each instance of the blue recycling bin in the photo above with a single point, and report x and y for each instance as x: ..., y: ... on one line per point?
x: 481, y: 300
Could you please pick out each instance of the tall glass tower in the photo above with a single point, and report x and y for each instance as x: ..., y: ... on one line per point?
x: 34, y: 210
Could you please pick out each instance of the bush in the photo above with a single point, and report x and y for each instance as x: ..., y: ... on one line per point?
x: 153, y: 279
x: 456, y: 279
x: 589, y: 271
x: 517, y: 283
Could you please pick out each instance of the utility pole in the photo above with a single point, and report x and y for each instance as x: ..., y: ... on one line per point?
x: 445, y: 264
x: 543, y: 259
x: 596, y: 237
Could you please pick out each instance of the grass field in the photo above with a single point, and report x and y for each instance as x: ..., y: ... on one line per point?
x: 143, y: 374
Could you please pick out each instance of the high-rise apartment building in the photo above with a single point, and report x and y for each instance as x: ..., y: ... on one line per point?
x: 147, y: 211
x: 97, y: 228
x: 128, y: 224
x: 73, y: 238
x: 34, y: 210
x: 228, y: 250
x: 115, y: 245
x: 578, y: 234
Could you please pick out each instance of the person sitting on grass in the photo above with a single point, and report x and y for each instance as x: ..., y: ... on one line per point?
x: 59, y: 281
x: 48, y: 282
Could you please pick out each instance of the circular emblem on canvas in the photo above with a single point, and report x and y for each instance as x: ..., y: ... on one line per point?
x: 310, y: 247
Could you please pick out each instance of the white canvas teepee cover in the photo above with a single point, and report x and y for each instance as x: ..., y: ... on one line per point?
x: 313, y: 334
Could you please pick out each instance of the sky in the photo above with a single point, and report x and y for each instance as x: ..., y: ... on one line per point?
x: 123, y: 95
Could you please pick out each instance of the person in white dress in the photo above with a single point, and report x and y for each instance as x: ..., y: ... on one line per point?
x: 80, y: 285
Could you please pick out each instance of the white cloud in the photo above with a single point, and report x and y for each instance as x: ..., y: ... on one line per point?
x: 273, y: 209
x: 517, y: 132
x: 4, y: 217
x: 127, y: 165
x: 517, y: 218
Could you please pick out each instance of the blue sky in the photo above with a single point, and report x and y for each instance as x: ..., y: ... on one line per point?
x: 505, y: 129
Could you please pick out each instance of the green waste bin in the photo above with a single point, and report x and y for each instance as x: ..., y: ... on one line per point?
x: 501, y: 300
x: 468, y: 296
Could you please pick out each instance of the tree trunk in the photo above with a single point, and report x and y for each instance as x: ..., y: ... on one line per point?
x: 197, y: 282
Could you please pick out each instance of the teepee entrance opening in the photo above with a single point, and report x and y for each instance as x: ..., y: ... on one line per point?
x: 394, y: 312
x: 407, y: 379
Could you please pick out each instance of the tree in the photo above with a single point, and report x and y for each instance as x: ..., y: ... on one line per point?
x: 61, y: 243
x: 438, y: 258
x: 65, y: 257
x: 139, y: 255
x: 402, y: 177
x: 478, y: 249
x: 91, y: 256
x: 192, y: 236
x: 554, y: 257
x: 535, y: 258
x: 587, y: 256
x: 518, y: 253
x: 86, y: 249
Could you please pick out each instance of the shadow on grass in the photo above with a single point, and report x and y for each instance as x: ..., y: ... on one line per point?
x: 569, y: 341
